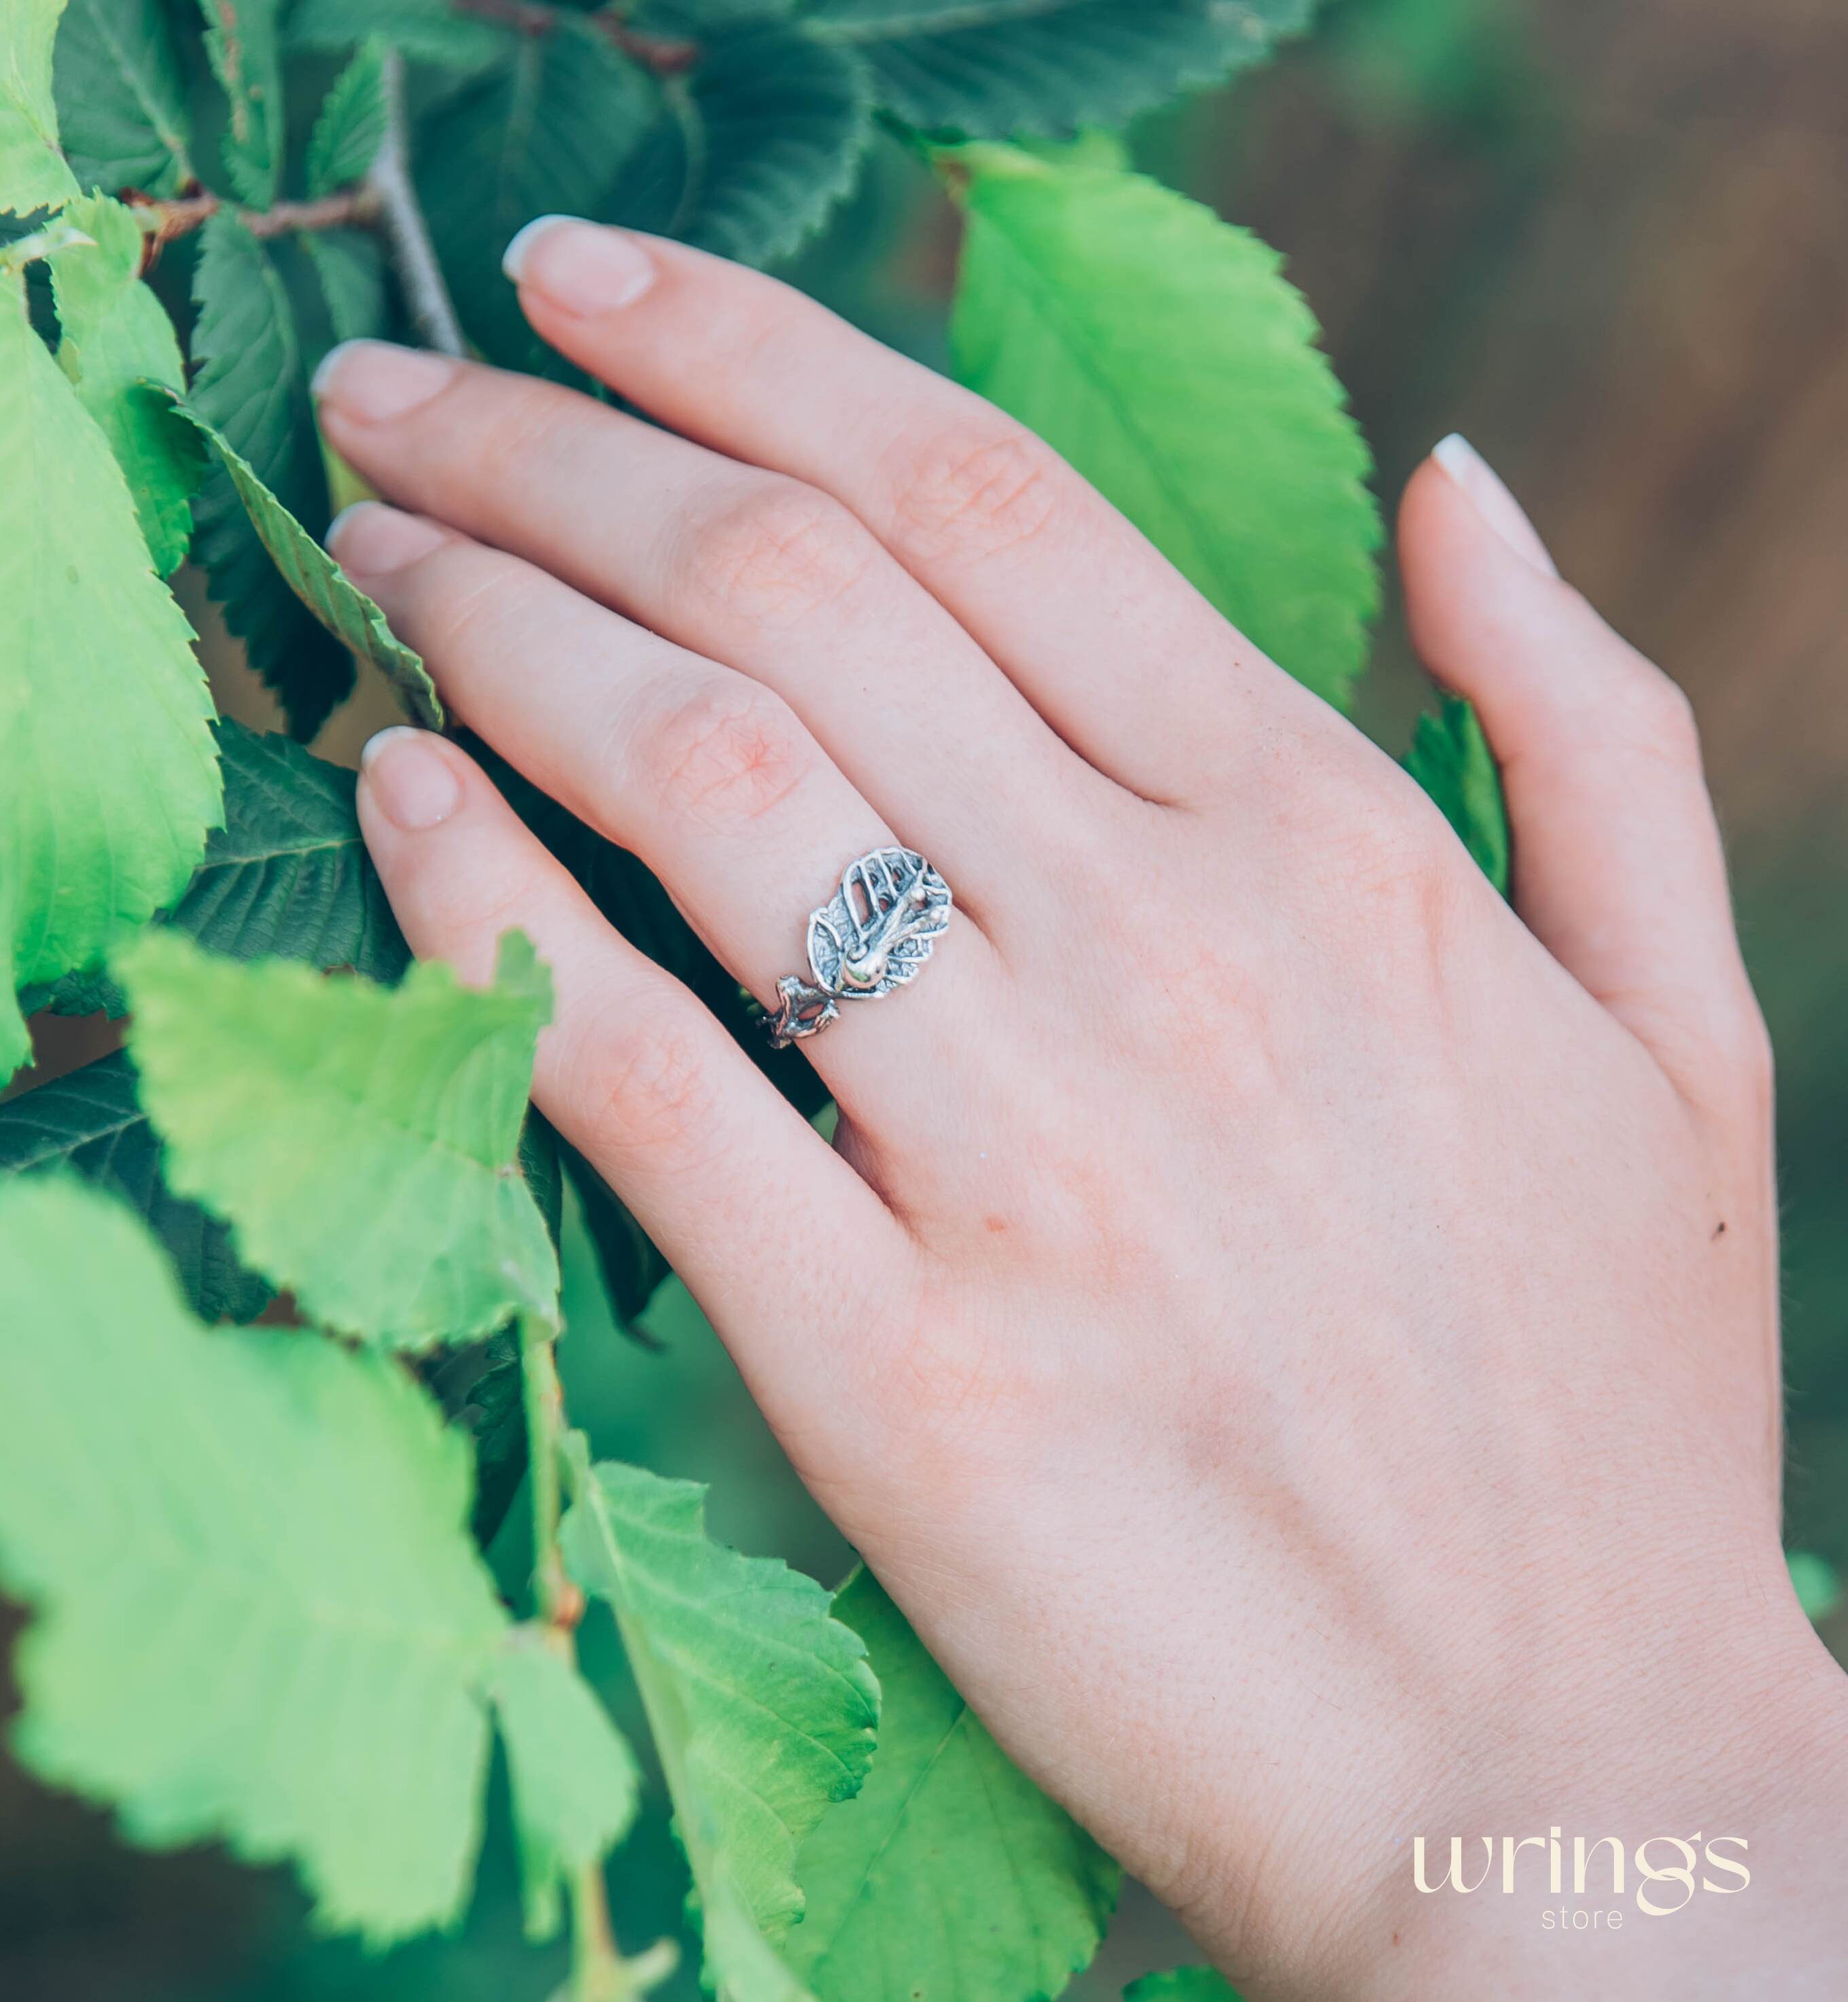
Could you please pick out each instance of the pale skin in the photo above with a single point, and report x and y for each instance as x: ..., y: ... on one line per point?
x: 1296, y: 1335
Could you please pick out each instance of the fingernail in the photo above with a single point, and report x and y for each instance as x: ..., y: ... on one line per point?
x: 375, y: 381
x: 409, y: 779
x: 580, y: 267
x: 1470, y: 471
x: 372, y: 540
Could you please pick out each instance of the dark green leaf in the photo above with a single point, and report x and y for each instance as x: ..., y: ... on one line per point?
x: 251, y: 385
x: 425, y: 30
x: 287, y: 876
x: 90, y: 1120
x: 543, y: 132
x: 991, y: 68
x: 1184, y: 1984
x: 752, y: 146
x: 1450, y: 758
x: 350, y: 269
x: 318, y: 581
x: 241, y: 41
x: 350, y: 127
x: 121, y: 97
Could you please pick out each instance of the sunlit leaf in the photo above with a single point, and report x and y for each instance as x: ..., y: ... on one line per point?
x: 1160, y: 351
x: 1450, y: 758
x: 363, y: 1141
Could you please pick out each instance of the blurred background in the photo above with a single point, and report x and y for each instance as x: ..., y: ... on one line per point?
x: 1609, y: 243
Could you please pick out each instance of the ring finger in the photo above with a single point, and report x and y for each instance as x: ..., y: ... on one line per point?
x: 705, y: 774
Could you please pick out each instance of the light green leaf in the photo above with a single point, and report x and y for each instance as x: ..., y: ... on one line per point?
x: 1450, y: 758
x: 350, y: 127
x: 752, y: 146
x: 1816, y: 1582
x: 949, y: 1876
x: 575, y: 1784
x: 425, y: 30
x: 1185, y: 1984
x: 990, y: 68
x: 241, y: 41
x: 250, y: 384
x: 318, y: 581
x: 109, y: 778
x: 33, y: 172
x: 90, y: 1120
x: 121, y: 99
x: 116, y: 335
x: 363, y: 1141
x: 1161, y: 352
x: 543, y: 132
x: 258, y: 1618
x: 761, y: 1705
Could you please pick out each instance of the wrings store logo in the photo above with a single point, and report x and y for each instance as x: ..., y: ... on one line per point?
x: 1662, y: 1888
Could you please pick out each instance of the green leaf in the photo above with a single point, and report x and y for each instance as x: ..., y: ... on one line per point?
x: 350, y: 269
x: 761, y: 1705
x: 1450, y: 758
x: 575, y: 1784
x: 350, y: 128
x: 33, y: 172
x: 949, y: 1853
x: 1162, y: 353
x: 318, y: 581
x: 109, y: 778
x: 251, y: 385
x: 257, y: 1617
x: 121, y: 99
x: 286, y: 877
x: 990, y: 68
x: 241, y: 41
x: 425, y: 30
x: 363, y: 1141
x: 90, y: 1120
x: 544, y: 132
x: 1184, y: 1984
x: 116, y: 335
x: 752, y: 146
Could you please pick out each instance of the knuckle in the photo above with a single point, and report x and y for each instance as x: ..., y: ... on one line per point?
x: 644, y: 1086
x: 731, y: 752
x: 1658, y: 717
x: 775, y: 554
x: 984, y: 486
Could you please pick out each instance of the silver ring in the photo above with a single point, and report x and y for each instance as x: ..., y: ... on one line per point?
x: 873, y: 935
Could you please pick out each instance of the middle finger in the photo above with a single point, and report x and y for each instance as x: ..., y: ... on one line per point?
x: 745, y: 566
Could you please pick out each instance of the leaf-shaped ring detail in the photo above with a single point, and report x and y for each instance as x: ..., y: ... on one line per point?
x: 873, y: 935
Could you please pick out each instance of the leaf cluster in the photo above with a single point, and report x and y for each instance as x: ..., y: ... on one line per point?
x: 252, y: 1554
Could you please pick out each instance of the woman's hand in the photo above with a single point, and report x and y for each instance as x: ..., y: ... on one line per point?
x: 1297, y: 1336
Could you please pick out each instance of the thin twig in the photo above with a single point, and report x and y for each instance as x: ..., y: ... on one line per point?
x: 413, y: 256
x: 599, y: 1972
x: 163, y: 220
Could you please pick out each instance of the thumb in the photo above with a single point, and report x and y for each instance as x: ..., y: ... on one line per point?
x: 1618, y: 867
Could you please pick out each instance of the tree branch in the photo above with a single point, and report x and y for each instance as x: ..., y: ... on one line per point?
x: 163, y: 220
x: 414, y: 258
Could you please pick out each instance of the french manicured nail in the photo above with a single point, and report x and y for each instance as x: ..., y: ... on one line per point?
x: 372, y: 540
x: 409, y: 779
x: 375, y: 381
x: 1470, y: 470
x: 581, y: 268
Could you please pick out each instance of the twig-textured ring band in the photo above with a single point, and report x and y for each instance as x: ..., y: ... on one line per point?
x: 875, y: 933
